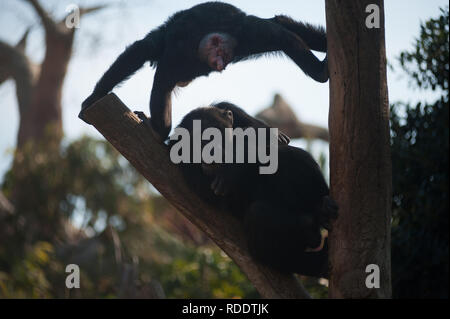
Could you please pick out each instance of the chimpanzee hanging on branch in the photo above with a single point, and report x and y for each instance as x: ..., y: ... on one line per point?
x: 207, y: 38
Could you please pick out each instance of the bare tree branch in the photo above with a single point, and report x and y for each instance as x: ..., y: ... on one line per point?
x: 88, y: 10
x: 281, y: 115
x: 47, y: 21
x: 135, y: 141
x: 21, y: 45
x: 83, y: 11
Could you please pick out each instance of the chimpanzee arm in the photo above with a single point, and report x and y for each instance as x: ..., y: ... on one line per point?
x: 148, y: 49
x: 161, y: 101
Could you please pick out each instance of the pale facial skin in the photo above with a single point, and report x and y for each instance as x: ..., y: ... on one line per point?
x: 216, y: 49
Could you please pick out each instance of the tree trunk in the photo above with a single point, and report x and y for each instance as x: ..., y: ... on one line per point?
x: 39, y: 87
x: 38, y: 90
x: 43, y: 119
x: 360, y: 164
x: 136, y: 142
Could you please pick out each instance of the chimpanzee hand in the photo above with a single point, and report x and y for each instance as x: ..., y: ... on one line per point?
x: 222, y: 182
x: 143, y: 117
x: 91, y: 99
x: 148, y: 123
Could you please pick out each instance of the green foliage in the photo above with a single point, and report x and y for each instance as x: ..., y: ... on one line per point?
x: 420, y: 150
x: 84, y: 204
x: 428, y: 62
x: 28, y: 276
x: 204, y: 272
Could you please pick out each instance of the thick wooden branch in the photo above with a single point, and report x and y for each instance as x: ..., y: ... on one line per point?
x: 136, y: 142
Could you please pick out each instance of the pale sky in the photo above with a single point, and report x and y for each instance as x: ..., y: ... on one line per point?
x: 251, y: 84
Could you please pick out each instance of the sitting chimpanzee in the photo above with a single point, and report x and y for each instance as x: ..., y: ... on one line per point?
x: 283, y: 213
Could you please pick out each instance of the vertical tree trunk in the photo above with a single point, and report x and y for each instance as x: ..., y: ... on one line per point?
x: 43, y: 119
x: 360, y: 163
x: 39, y: 87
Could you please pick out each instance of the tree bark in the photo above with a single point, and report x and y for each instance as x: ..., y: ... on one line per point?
x: 360, y: 164
x: 136, y: 142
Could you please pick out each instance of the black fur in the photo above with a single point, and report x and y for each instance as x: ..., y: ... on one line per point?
x: 173, y: 48
x: 283, y: 213
x: 314, y: 36
x: 243, y: 120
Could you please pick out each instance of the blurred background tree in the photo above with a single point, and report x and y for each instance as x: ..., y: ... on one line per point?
x: 86, y: 205
x: 420, y: 149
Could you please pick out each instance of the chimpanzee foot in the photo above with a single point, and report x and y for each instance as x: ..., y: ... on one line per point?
x: 221, y: 185
x: 324, y: 76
